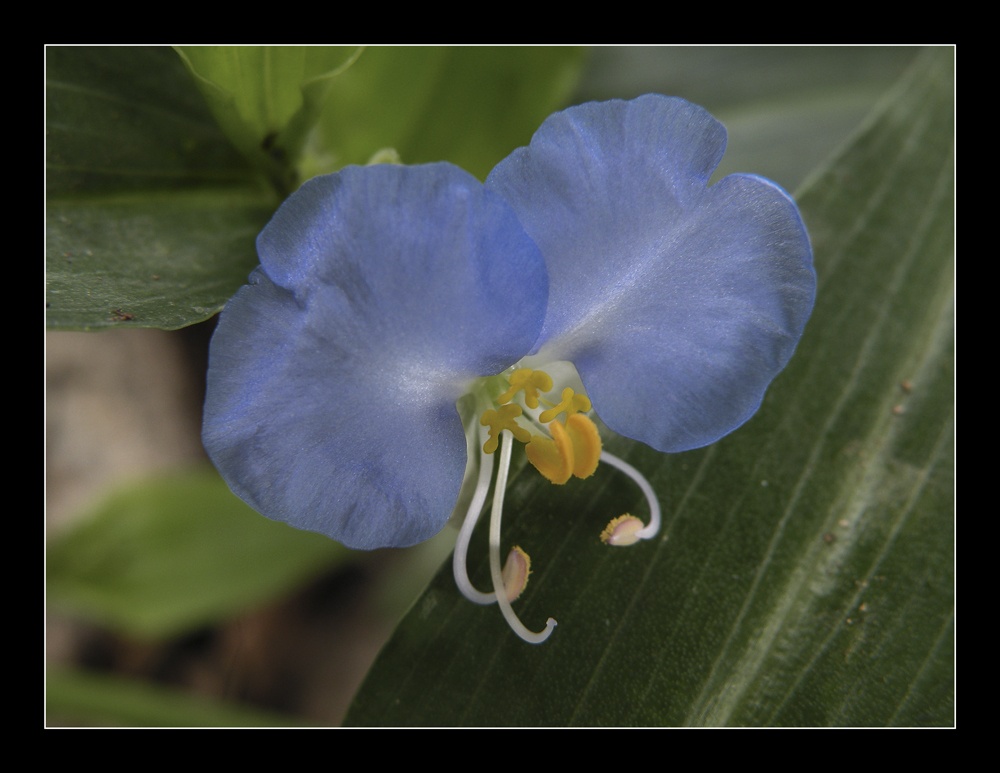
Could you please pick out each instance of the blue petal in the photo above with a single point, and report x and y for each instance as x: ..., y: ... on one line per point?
x: 677, y: 302
x: 333, y: 375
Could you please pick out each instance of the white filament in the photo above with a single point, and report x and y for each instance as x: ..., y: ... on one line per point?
x: 495, y: 569
x: 650, y: 530
x: 459, y: 559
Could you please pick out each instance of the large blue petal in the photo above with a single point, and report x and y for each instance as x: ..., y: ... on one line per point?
x: 677, y: 302
x: 333, y: 375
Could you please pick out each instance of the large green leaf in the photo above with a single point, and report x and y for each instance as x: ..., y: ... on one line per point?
x: 804, y: 575
x: 152, y: 214
x: 169, y: 554
x: 468, y: 105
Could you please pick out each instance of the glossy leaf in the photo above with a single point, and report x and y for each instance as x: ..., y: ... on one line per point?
x: 151, y: 213
x: 804, y: 576
x: 169, y: 554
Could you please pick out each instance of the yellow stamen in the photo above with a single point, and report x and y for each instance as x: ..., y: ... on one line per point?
x: 570, y: 402
x: 531, y: 381
x: 623, y: 530
x: 499, y: 420
x: 553, y: 457
x: 515, y: 573
x: 586, y: 444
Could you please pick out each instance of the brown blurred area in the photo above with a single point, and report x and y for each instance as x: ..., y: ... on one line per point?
x: 124, y: 404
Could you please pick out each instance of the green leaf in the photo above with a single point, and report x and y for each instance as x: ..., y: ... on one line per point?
x: 268, y: 98
x: 151, y: 213
x: 468, y: 105
x: 804, y: 575
x: 169, y: 554
x: 77, y: 697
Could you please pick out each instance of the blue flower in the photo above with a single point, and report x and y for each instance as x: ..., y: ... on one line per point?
x: 406, y: 322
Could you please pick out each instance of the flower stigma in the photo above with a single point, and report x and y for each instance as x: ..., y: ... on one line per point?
x: 561, y: 442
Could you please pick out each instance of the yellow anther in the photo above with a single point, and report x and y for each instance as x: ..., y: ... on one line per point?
x: 573, y: 449
x: 515, y: 573
x: 623, y: 530
x: 586, y: 444
x: 498, y: 420
x: 531, y: 381
x: 571, y: 403
x: 553, y: 457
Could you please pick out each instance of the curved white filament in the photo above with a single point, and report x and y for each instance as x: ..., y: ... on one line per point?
x: 650, y: 530
x: 495, y: 569
x: 459, y: 558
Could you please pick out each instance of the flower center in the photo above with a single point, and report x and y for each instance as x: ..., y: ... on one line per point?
x: 559, y: 447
